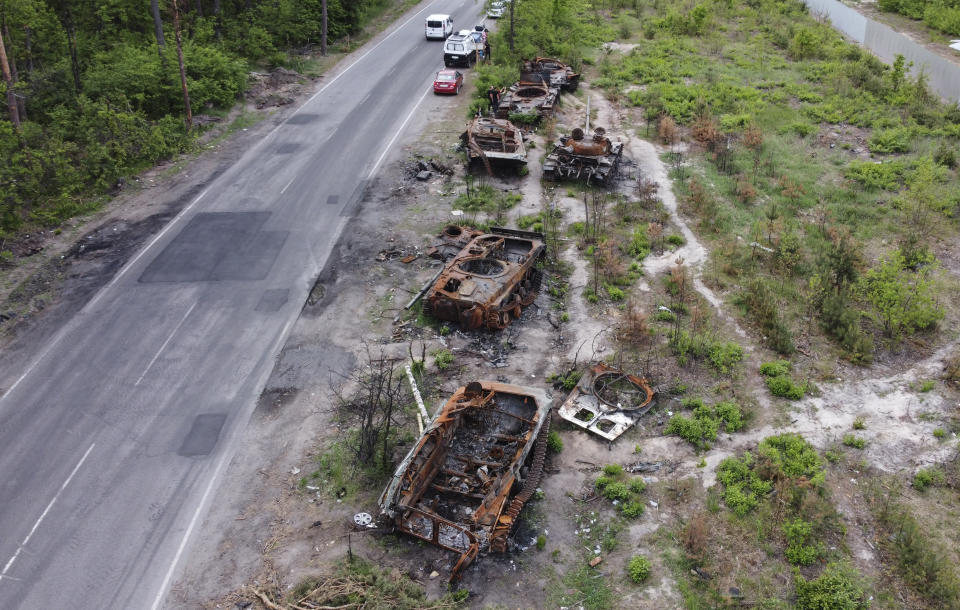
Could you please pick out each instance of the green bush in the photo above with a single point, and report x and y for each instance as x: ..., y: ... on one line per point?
x: 730, y: 414
x: 837, y: 588
x: 615, y: 294
x: 886, y: 141
x: 638, y: 568
x: 724, y: 356
x: 602, y: 482
x: 637, y: 485
x: 632, y: 509
x: 776, y: 368
x: 541, y: 542
x: 798, y: 552
x: 613, y: 470
x: 928, y: 477
x: 443, y: 359
x: 783, y: 386
x: 856, y: 442
x: 676, y: 240
x: 743, y: 487
x: 554, y: 442
x: 616, y: 491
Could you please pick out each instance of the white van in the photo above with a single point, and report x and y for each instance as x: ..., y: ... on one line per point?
x: 438, y: 27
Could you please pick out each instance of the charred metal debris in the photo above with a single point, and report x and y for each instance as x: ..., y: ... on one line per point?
x: 488, y: 280
x: 552, y: 71
x: 607, y: 401
x: 539, y: 98
x: 462, y: 485
x: 494, y: 141
x: 592, y: 159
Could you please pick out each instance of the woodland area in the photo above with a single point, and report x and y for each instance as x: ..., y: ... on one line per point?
x: 93, y: 87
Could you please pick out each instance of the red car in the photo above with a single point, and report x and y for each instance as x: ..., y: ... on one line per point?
x: 448, y: 81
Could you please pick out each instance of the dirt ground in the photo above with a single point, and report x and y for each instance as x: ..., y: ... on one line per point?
x: 266, y: 530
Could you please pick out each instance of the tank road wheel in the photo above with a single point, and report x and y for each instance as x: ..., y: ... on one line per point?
x: 497, y: 319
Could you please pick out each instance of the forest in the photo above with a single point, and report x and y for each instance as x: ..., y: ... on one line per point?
x: 93, y: 90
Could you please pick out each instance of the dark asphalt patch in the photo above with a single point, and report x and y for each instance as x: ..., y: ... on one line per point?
x: 273, y: 300
x: 218, y: 246
x: 303, y: 118
x: 287, y: 148
x: 333, y: 199
x: 203, y: 435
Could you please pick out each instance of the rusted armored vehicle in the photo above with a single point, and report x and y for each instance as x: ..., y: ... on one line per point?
x: 494, y: 142
x: 489, y: 281
x: 607, y: 401
x: 522, y: 97
x: 592, y: 159
x: 462, y: 485
x: 550, y: 71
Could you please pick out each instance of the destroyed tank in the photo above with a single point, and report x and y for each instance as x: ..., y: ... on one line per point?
x: 462, y: 485
x: 494, y: 142
x: 538, y: 97
x: 593, y: 159
x: 552, y: 71
x: 489, y: 281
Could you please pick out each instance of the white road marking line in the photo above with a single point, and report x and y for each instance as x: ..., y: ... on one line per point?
x: 164, y: 346
x: 288, y: 185
x: 7, y: 567
x: 397, y: 134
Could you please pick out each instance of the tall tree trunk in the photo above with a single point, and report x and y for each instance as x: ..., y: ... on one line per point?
x: 27, y: 31
x: 183, y: 73
x: 199, y: 8
x: 74, y: 60
x: 323, y: 31
x: 217, y: 25
x: 11, y: 98
x: 21, y: 102
x: 158, y: 26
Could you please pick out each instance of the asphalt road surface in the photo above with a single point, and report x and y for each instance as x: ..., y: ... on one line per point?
x: 113, y: 438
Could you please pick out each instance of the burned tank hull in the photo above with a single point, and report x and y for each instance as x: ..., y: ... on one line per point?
x: 594, y: 159
x: 494, y: 142
x: 460, y: 486
x: 529, y: 98
x: 552, y: 71
x: 489, y: 281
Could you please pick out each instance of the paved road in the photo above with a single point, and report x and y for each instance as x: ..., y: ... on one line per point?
x: 114, y: 438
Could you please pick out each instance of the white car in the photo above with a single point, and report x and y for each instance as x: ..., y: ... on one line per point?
x: 496, y: 10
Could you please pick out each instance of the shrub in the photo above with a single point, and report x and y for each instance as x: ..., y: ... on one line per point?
x: 859, y: 423
x: 730, y: 414
x: 856, y: 442
x: 798, y: 534
x: 613, y: 470
x: 837, y: 587
x: 615, y: 294
x: 928, y: 477
x: 676, y: 240
x: 743, y: 487
x: 602, y: 482
x: 783, y: 386
x: 886, y: 141
x: 775, y: 368
x: 632, y: 509
x: 637, y: 485
x: 638, y: 568
x: 443, y: 359
x: 939, y: 433
x: 723, y: 356
x: 616, y: 491
x: 541, y: 542
x: 554, y: 442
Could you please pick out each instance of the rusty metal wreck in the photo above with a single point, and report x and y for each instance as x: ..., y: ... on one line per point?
x: 494, y: 141
x: 490, y: 280
x: 462, y: 485
x: 607, y: 401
